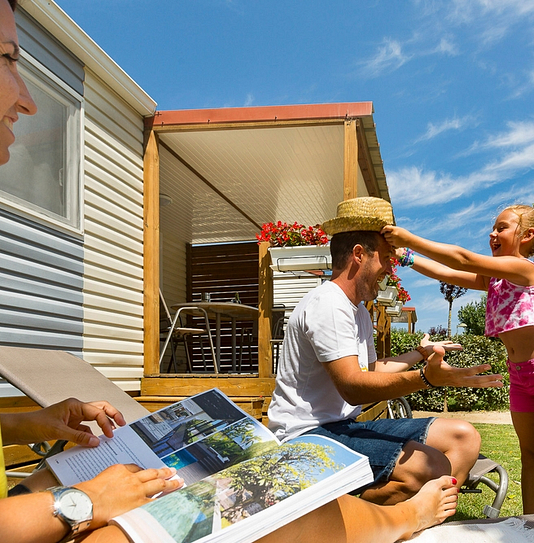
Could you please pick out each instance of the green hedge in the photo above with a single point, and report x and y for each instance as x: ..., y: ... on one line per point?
x: 477, y: 350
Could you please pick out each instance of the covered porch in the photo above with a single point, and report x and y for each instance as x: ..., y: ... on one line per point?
x: 224, y: 173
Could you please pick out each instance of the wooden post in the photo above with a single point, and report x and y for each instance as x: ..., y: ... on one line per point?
x: 265, y: 304
x: 350, y: 161
x: 151, y: 254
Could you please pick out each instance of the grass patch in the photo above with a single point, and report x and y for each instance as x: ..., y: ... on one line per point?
x: 500, y: 443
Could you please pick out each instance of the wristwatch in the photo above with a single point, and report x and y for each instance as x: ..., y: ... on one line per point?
x: 74, y: 507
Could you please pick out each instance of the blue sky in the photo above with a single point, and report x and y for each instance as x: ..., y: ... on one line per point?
x: 452, y: 84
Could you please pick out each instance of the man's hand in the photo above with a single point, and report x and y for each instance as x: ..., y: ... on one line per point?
x: 63, y: 420
x: 439, y: 373
x: 120, y: 488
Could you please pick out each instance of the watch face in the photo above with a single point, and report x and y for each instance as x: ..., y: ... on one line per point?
x: 75, y: 505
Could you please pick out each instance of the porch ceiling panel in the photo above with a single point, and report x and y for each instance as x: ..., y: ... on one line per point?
x: 197, y: 213
x: 288, y: 174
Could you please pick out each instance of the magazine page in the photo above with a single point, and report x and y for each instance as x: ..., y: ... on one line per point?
x: 198, y: 436
x: 247, y: 501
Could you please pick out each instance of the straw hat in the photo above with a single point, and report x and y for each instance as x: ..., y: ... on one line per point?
x: 364, y: 213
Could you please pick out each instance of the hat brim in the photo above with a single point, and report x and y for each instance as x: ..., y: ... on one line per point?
x: 352, y: 224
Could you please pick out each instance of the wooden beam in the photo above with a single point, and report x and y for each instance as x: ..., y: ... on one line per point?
x: 188, y: 385
x: 350, y: 161
x: 151, y: 254
x: 175, y: 128
x: 265, y: 304
x: 365, y: 162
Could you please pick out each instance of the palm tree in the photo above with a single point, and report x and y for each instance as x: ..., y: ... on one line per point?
x: 450, y: 293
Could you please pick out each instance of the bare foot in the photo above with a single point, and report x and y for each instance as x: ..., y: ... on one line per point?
x: 435, y: 502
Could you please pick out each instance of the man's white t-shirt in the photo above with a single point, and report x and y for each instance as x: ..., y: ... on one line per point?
x: 324, y: 327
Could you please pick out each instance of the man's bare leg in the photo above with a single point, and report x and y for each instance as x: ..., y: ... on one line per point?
x: 352, y: 520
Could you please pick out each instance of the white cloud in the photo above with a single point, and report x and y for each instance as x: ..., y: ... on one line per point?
x: 455, y: 123
x: 447, y: 46
x: 519, y: 133
x: 249, y: 100
x: 388, y: 58
x: 516, y: 145
x: 430, y: 187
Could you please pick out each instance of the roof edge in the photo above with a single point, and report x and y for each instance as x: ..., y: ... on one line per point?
x: 67, y: 32
x: 260, y: 114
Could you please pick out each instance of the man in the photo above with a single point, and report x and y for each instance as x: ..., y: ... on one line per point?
x: 328, y: 368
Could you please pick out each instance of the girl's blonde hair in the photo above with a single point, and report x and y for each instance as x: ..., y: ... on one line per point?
x: 526, y: 220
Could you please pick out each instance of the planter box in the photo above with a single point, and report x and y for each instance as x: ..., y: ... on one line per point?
x: 395, y: 310
x: 388, y: 296
x: 301, y: 258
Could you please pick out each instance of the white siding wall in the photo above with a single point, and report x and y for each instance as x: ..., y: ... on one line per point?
x: 289, y: 289
x: 113, y: 240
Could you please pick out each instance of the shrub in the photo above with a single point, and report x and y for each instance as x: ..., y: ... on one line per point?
x: 477, y: 350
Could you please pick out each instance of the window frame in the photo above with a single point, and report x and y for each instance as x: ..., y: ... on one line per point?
x: 41, y: 76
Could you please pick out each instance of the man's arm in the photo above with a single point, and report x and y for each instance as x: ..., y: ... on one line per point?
x: 403, y: 362
x: 359, y: 387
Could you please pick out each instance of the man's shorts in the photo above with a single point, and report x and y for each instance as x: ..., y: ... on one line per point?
x: 521, y: 386
x: 381, y: 440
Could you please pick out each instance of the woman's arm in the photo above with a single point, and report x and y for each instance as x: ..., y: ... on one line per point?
x: 118, y: 489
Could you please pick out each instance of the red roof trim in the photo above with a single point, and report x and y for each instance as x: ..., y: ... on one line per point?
x: 258, y: 114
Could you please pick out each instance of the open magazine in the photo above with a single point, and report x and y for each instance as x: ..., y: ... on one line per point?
x: 240, y: 481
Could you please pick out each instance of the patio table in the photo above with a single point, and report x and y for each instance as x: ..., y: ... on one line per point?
x: 218, y: 311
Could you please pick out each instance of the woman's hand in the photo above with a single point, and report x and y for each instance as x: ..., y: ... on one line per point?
x: 62, y: 420
x: 120, y: 488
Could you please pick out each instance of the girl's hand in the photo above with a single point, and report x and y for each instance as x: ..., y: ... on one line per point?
x: 446, y: 345
x: 396, y: 236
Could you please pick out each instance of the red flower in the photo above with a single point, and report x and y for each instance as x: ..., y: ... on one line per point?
x: 284, y: 235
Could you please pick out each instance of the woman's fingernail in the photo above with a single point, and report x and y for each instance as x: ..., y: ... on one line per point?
x: 454, y: 481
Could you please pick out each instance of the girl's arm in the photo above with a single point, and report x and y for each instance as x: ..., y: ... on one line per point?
x: 438, y: 271
x: 517, y: 270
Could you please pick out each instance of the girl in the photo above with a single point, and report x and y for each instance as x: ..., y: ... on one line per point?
x: 509, y: 280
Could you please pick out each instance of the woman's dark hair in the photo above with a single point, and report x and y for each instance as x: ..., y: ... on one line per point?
x: 13, y: 4
x: 341, y: 245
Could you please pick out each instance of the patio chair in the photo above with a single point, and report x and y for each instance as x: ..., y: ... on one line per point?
x: 176, y: 332
x: 48, y: 377
x: 278, y: 320
x: 478, y: 475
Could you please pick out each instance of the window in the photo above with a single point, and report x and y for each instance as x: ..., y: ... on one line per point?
x: 43, y: 176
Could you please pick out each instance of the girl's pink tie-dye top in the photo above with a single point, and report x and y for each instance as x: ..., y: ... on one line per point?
x: 509, y: 306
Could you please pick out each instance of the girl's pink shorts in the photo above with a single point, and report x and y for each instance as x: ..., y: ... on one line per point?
x: 521, y: 386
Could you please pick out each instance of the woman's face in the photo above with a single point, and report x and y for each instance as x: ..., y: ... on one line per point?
x: 14, y: 96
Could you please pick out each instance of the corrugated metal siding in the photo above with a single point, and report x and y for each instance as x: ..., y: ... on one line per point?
x: 113, y: 280
x: 41, y: 278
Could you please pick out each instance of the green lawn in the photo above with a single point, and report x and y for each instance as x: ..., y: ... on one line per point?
x: 499, y: 443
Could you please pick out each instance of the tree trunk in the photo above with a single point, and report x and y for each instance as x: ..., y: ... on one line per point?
x: 449, y: 322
